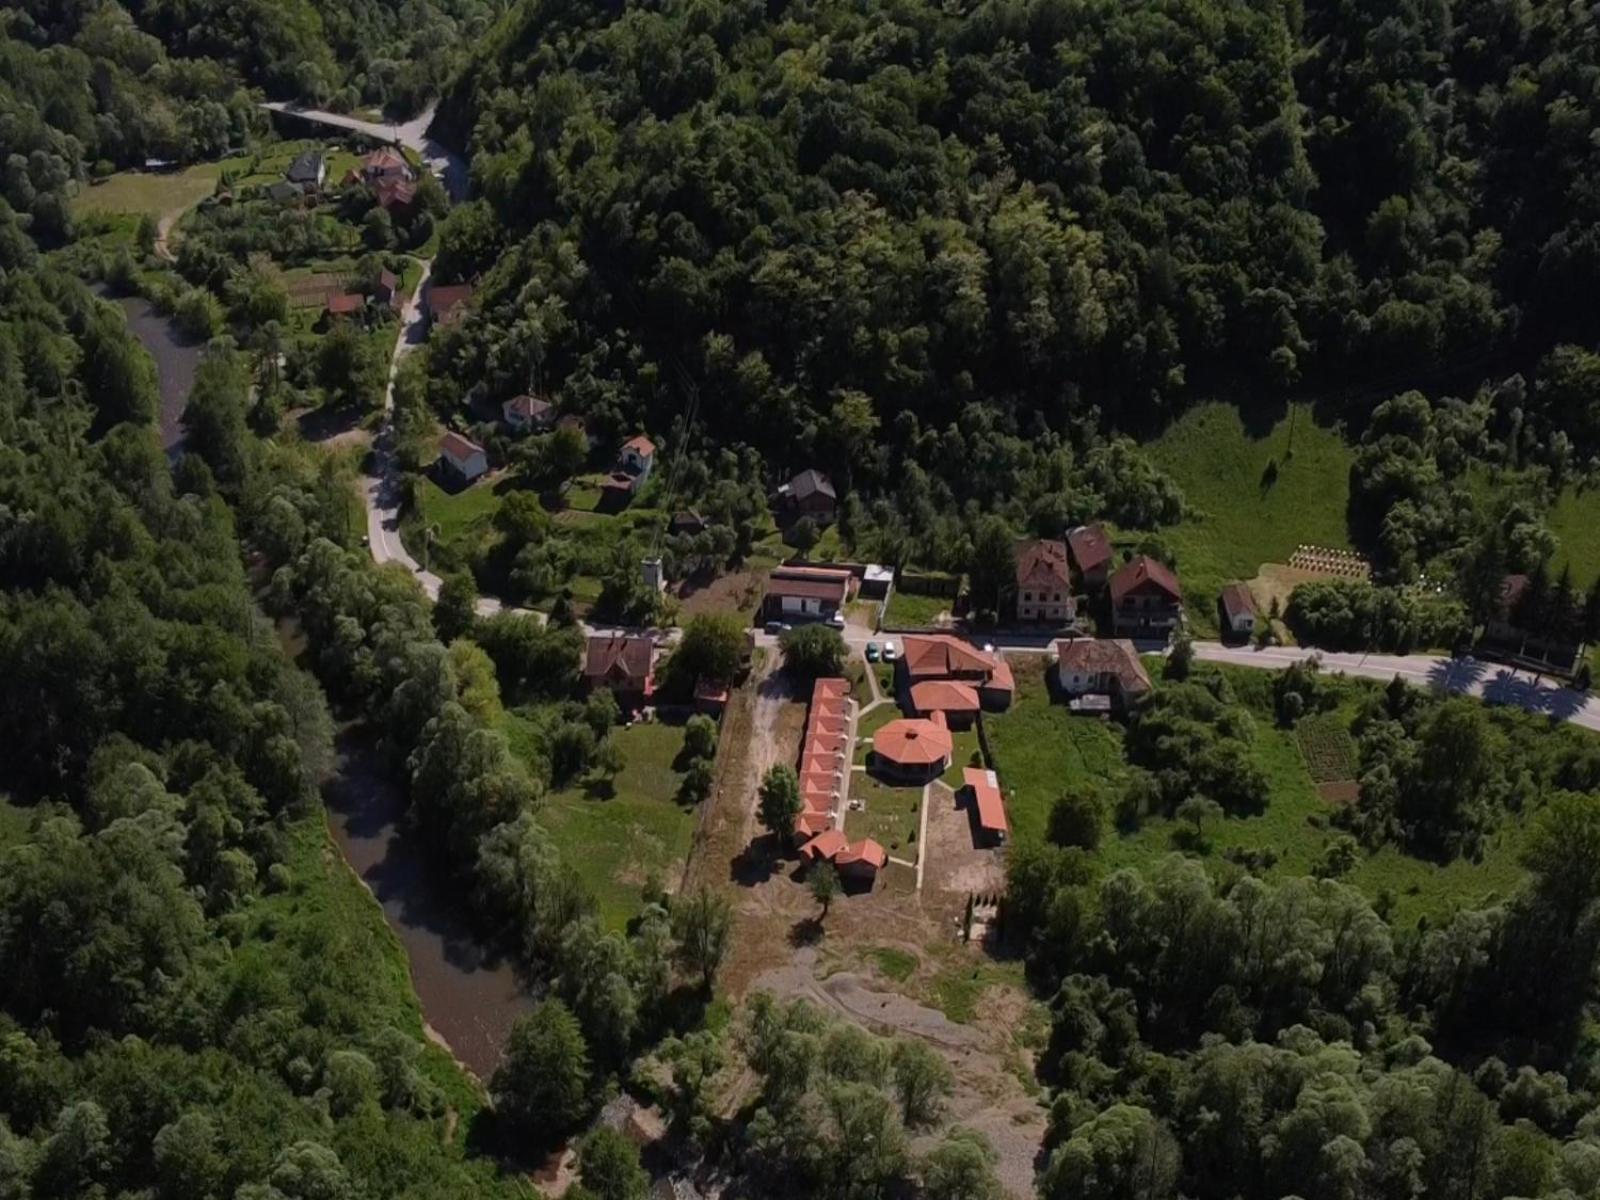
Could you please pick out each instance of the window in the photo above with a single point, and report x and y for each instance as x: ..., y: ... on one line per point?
x: 1027, y: 595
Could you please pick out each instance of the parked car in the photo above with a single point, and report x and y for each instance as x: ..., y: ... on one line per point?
x: 774, y: 627
x: 872, y: 651
x: 890, y: 652
x: 837, y: 620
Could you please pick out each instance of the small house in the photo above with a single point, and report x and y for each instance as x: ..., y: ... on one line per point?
x: 1146, y: 600
x: 447, y: 303
x: 345, y: 304
x: 809, y: 494
x: 1505, y: 625
x: 625, y: 663
x: 987, y: 806
x: 806, y: 593
x: 525, y: 413
x: 1044, y: 583
x: 282, y: 192
x: 386, y: 163
x: 687, y: 523
x: 1239, y: 613
x: 308, y: 171
x: 861, y: 861
x: 462, y: 457
x: 387, y: 290
x: 1100, y: 667
x: 638, y: 457
x: 1091, y: 552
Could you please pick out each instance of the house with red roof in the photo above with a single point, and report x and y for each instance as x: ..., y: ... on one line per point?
x: 462, y: 458
x: 935, y: 656
x: 447, y: 303
x: 386, y: 163
x: 625, y: 663
x: 957, y: 701
x: 345, y: 304
x: 1146, y: 599
x: 988, y: 808
x: 1091, y: 554
x: 396, y: 197
x: 914, y: 749
x: 861, y: 860
x: 1044, y: 583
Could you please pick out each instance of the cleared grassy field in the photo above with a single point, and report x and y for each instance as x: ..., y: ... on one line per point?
x: 908, y: 610
x: 157, y: 193
x: 1244, y: 515
x: 461, y: 520
x: 1040, y: 748
x: 619, y: 840
x: 1575, y: 520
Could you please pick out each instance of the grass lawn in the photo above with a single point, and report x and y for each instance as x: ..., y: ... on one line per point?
x: 907, y: 610
x: 965, y: 745
x: 1575, y: 520
x: 891, y: 816
x: 618, y: 842
x: 156, y: 193
x: 1039, y: 747
x: 461, y: 519
x: 1240, y: 521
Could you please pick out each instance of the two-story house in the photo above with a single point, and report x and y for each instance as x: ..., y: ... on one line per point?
x: 1146, y: 599
x: 1044, y: 583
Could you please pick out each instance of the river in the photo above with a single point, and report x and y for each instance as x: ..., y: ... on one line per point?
x: 469, y: 998
x: 175, y: 359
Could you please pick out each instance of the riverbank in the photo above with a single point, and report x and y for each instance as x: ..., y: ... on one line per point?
x: 176, y: 359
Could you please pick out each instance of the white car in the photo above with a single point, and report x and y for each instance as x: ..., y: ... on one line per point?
x: 890, y: 652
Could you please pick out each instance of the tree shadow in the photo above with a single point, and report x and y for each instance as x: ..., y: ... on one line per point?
x: 807, y: 931
x: 753, y: 866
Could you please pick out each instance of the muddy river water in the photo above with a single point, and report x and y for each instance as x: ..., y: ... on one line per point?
x: 469, y: 997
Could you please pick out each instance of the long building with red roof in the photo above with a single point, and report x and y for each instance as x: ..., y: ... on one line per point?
x: 825, y: 754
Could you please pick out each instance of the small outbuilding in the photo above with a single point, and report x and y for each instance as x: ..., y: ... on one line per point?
x: 524, y: 413
x: 1239, y: 612
x: 810, y: 494
x: 861, y: 860
x: 988, y: 807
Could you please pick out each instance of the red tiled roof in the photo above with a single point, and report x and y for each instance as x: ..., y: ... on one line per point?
x: 864, y: 851
x: 1237, y: 601
x: 630, y: 655
x: 943, y: 695
x: 1143, y: 571
x: 932, y: 656
x: 641, y: 445
x: 1000, y: 679
x: 1043, y: 564
x: 1105, y: 656
x: 809, y: 824
x: 1090, y: 546
x: 345, y: 302
x: 986, y: 791
x: 830, y: 689
x: 453, y: 445
x: 385, y: 159
x: 825, y: 845
x: 443, y: 298
x: 394, y: 193
x: 913, y: 742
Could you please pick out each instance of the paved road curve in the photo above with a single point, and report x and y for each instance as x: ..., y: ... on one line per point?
x: 449, y: 166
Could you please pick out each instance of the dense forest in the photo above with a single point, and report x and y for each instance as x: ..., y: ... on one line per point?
x: 195, y: 1001
x: 941, y: 250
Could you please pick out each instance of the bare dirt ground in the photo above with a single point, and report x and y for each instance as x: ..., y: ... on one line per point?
x: 989, y: 1097
x: 954, y: 863
x: 737, y: 592
x: 782, y: 945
